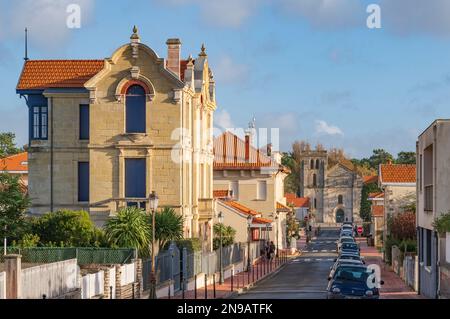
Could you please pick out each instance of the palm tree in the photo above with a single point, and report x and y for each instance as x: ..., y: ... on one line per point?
x: 129, y: 229
x: 169, y: 226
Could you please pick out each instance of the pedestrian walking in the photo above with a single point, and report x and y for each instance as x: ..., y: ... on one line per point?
x: 272, y: 250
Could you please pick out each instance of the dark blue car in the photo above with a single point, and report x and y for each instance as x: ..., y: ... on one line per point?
x: 353, y: 282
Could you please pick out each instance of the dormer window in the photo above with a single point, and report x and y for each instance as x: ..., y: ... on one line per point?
x: 135, y: 109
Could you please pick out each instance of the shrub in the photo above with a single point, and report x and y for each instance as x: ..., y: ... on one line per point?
x: 442, y: 224
x: 228, y: 234
x: 403, y: 226
x: 191, y: 244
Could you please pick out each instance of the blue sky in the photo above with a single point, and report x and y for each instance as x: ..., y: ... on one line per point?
x: 310, y: 67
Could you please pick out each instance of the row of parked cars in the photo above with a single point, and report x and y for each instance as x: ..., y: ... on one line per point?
x: 349, y: 277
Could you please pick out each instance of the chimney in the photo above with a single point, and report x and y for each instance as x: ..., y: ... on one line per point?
x: 173, y: 56
x: 247, y: 147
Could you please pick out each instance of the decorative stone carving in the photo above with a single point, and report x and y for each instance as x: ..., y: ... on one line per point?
x: 135, y: 71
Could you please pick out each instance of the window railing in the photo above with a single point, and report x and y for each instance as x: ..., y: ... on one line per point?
x: 428, y: 196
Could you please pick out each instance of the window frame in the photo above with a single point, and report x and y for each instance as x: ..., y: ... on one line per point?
x: 142, y: 127
x: 42, y: 125
x: 80, y: 128
x: 80, y: 198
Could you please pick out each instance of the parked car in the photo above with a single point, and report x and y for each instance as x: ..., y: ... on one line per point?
x: 346, y: 233
x: 342, y: 262
x: 349, y: 247
x: 351, y: 282
x: 350, y: 256
x: 344, y: 239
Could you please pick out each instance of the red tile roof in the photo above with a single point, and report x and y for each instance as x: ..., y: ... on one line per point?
x: 378, y: 211
x: 370, y: 179
x: 259, y: 220
x: 376, y: 195
x: 229, y: 153
x: 297, y: 201
x: 15, y: 163
x: 44, y: 74
x: 283, y: 208
x: 397, y: 173
x: 221, y: 193
x: 241, y: 208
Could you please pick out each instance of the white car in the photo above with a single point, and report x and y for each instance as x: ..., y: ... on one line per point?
x: 345, y: 239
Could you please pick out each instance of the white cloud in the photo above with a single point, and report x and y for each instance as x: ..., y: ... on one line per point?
x: 221, y: 13
x: 323, y: 127
x: 222, y: 119
x: 228, y: 71
x: 327, y: 14
x: 408, y: 17
x: 45, y: 19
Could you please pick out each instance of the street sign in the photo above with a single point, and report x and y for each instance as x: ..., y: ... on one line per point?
x: 360, y: 230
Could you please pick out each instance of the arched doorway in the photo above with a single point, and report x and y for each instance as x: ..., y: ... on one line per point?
x: 340, y: 216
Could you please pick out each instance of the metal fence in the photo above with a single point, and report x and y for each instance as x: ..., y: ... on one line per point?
x: 84, y: 256
x: 168, y: 267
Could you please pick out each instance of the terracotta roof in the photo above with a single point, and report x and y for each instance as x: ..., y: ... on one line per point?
x: 283, y: 208
x: 297, y: 201
x: 377, y: 211
x: 229, y: 153
x: 44, y: 74
x: 397, y: 173
x: 370, y: 179
x: 376, y: 195
x: 259, y: 220
x: 15, y: 163
x: 221, y: 193
x: 183, y: 67
x: 241, y: 208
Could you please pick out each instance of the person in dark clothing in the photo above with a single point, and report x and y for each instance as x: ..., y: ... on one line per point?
x: 272, y: 250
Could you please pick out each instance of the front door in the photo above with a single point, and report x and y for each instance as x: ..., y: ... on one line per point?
x: 340, y: 215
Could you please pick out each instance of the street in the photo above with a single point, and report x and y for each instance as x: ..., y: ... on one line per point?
x: 305, y: 277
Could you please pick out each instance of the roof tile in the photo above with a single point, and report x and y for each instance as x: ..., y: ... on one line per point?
x: 397, y: 173
x: 15, y: 163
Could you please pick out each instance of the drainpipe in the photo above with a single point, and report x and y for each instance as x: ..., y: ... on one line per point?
x: 436, y: 236
x: 51, y: 155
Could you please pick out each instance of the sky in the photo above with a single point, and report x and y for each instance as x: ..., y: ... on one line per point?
x: 311, y: 68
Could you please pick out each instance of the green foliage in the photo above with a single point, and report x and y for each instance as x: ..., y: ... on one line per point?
x: 13, y: 203
x: 228, y: 234
x: 292, y: 181
x: 168, y: 226
x: 29, y: 241
x: 191, y: 244
x: 129, y: 229
x: 406, y: 158
x: 442, y: 224
x: 406, y: 245
x: 292, y: 226
x: 365, y: 211
x: 7, y: 145
x: 65, y: 228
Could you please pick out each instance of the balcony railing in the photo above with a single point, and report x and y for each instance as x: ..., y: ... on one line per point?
x: 428, y: 196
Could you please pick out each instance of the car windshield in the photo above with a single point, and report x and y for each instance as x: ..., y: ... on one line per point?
x: 350, y: 246
x: 347, y: 240
x: 351, y: 257
x: 348, y: 273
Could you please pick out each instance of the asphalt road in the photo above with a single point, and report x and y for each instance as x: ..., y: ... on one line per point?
x: 304, y: 277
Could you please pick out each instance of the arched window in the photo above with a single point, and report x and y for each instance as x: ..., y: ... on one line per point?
x: 314, y: 180
x: 135, y: 109
x: 312, y: 164
x: 340, y: 200
x: 317, y: 164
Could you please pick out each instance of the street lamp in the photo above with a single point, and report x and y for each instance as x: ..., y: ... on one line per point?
x: 249, y: 224
x: 220, y: 217
x: 276, y: 222
x: 153, y: 201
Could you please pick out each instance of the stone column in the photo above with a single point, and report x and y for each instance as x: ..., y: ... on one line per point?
x: 118, y: 282
x: 13, y: 266
x: 139, y: 286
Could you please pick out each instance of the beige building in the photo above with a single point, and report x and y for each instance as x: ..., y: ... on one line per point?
x: 254, y: 177
x: 377, y: 210
x: 433, y: 199
x: 106, y: 133
x: 334, y: 191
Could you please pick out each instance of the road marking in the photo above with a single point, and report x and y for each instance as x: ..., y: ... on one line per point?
x: 330, y: 259
x: 324, y: 250
x: 307, y: 259
x: 315, y: 251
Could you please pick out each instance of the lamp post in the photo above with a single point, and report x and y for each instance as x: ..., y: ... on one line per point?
x: 276, y: 222
x: 249, y: 224
x: 221, y: 280
x: 153, y: 201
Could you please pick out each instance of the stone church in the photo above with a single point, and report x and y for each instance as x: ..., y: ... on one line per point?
x: 334, y: 191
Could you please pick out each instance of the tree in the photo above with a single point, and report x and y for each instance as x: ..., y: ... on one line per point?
x: 406, y: 158
x: 7, y: 145
x: 168, y: 226
x: 403, y: 226
x: 66, y: 228
x: 129, y: 229
x: 380, y: 156
x: 292, y: 226
x: 365, y: 211
x: 13, y: 203
x: 228, y: 234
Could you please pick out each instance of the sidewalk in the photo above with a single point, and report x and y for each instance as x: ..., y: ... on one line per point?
x: 394, y: 287
x: 232, y: 286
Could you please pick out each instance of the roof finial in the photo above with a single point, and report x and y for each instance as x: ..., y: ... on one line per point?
x: 135, y: 35
x: 26, y: 45
x: 203, y: 53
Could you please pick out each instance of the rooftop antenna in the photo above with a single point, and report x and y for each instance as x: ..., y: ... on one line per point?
x: 26, y: 45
